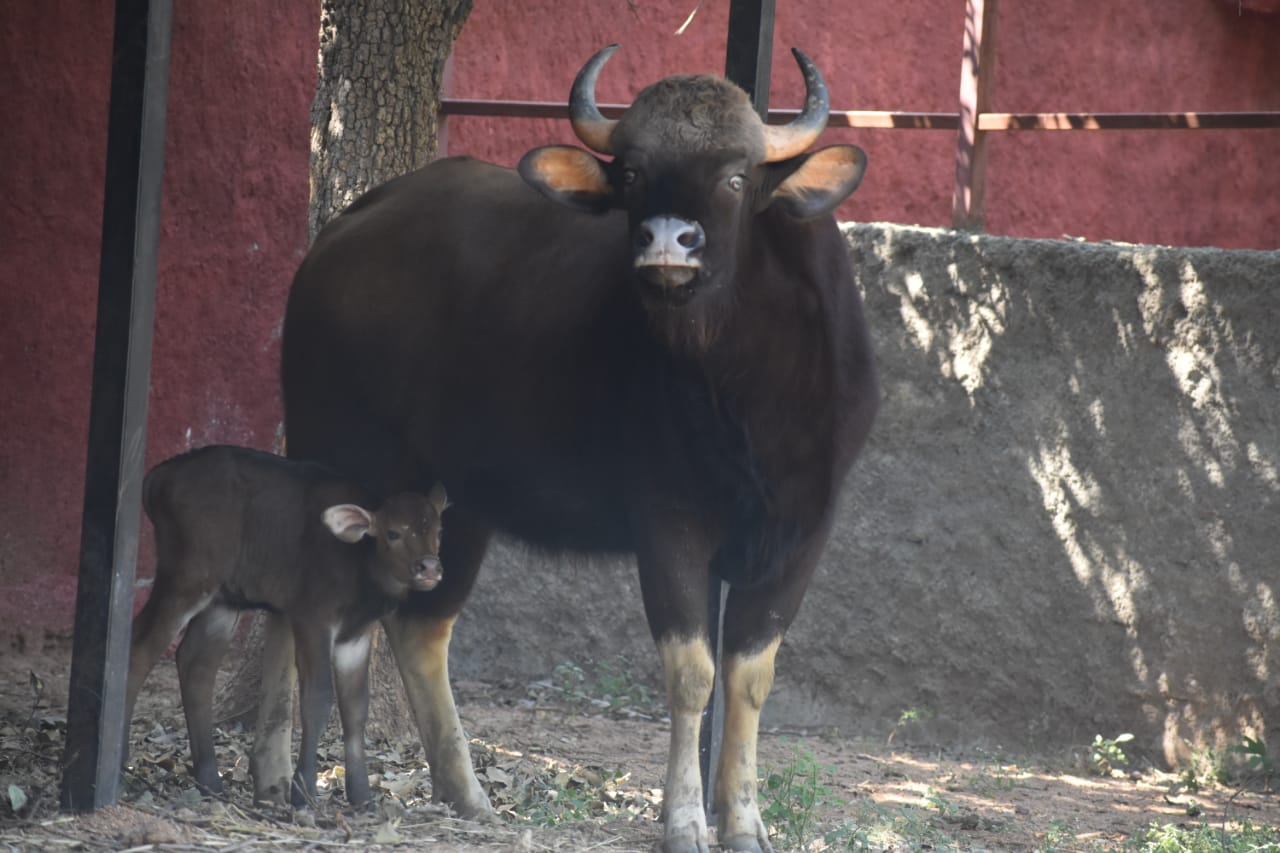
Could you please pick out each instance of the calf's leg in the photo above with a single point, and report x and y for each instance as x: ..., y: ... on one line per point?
x: 315, y: 689
x: 166, y: 612
x: 351, y: 672
x: 199, y: 654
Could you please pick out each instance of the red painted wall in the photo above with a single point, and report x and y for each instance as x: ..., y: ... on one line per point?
x: 236, y: 180
x: 233, y: 230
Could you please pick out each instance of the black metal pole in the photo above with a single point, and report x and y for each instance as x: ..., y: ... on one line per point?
x: 749, y: 54
x: 118, y: 408
x: 748, y: 62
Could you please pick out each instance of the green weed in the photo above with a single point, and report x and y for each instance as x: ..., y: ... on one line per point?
x: 791, y: 796
x: 1168, y: 838
x: 1106, y: 755
x: 607, y: 686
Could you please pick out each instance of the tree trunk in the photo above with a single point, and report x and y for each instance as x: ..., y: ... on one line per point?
x: 375, y: 116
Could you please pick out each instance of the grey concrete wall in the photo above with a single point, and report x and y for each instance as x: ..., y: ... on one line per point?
x: 1067, y: 521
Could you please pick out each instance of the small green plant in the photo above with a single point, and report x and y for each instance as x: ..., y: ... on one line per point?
x: 1205, y: 767
x: 1202, y: 838
x: 1059, y: 836
x: 607, y: 685
x: 1256, y: 757
x: 1106, y: 755
x: 906, y: 718
x: 791, y: 796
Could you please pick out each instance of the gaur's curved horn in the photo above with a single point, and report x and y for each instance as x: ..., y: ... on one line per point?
x: 788, y: 140
x: 591, y: 127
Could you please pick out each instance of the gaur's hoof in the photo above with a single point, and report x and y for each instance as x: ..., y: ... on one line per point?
x: 746, y: 844
x: 681, y: 844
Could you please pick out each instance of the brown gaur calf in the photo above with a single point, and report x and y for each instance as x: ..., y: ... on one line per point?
x: 238, y: 529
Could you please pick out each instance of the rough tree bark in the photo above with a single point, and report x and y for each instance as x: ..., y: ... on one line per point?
x: 375, y: 116
x: 378, y: 97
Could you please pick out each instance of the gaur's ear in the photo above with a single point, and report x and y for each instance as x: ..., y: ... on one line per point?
x: 349, y: 522
x: 438, y: 499
x: 569, y: 176
x: 816, y: 183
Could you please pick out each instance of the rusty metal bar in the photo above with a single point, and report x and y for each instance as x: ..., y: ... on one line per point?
x: 839, y: 118
x: 1129, y: 121
x: 971, y: 145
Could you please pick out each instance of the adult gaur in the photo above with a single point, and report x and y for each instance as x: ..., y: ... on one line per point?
x: 660, y: 353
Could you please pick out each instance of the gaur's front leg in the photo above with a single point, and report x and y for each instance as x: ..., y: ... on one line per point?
x: 419, y: 634
x: 315, y: 683
x: 755, y: 619
x: 421, y: 647
x: 689, y: 672
x: 673, y: 560
x: 351, y: 672
x: 747, y: 679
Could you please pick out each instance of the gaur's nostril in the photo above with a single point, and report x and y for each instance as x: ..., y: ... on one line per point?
x: 691, y: 237
x: 644, y: 238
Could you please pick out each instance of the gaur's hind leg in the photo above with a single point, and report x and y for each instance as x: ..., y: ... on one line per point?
x: 271, y: 766
x: 201, y: 651
x: 419, y: 634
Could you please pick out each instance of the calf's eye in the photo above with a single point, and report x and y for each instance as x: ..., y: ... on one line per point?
x: 628, y: 176
x: 393, y: 536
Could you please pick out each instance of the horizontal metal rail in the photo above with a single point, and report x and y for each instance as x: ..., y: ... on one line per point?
x: 559, y: 110
x: 892, y: 119
x: 1129, y: 121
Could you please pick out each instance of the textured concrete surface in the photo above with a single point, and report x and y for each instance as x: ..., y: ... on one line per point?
x: 1067, y: 521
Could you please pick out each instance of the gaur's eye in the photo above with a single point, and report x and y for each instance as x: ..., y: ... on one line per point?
x: 628, y: 176
x: 737, y: 182
x: 393, y: 536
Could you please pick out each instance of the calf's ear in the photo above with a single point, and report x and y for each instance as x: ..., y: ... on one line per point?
x: 568, y: 176
x: 349, y: 522
x: 437, y: 498
x: 816, y: 183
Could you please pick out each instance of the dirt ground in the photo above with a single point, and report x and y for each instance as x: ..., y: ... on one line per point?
x: 567, y: 771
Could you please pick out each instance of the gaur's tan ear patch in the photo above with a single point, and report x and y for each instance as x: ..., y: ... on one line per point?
x: 567, y: 175
x: 822, y: 181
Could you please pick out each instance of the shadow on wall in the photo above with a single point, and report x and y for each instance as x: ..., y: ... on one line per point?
x: 1068, y: 519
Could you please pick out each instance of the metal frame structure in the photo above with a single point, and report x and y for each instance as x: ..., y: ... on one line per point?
x: 96, y: 726
x: 972, y: 120
x: 126, y: 291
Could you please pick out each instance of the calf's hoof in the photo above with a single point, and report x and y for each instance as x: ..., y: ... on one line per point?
x: 209, y: 785
x: 358, y: 795
x: 301, y: 795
